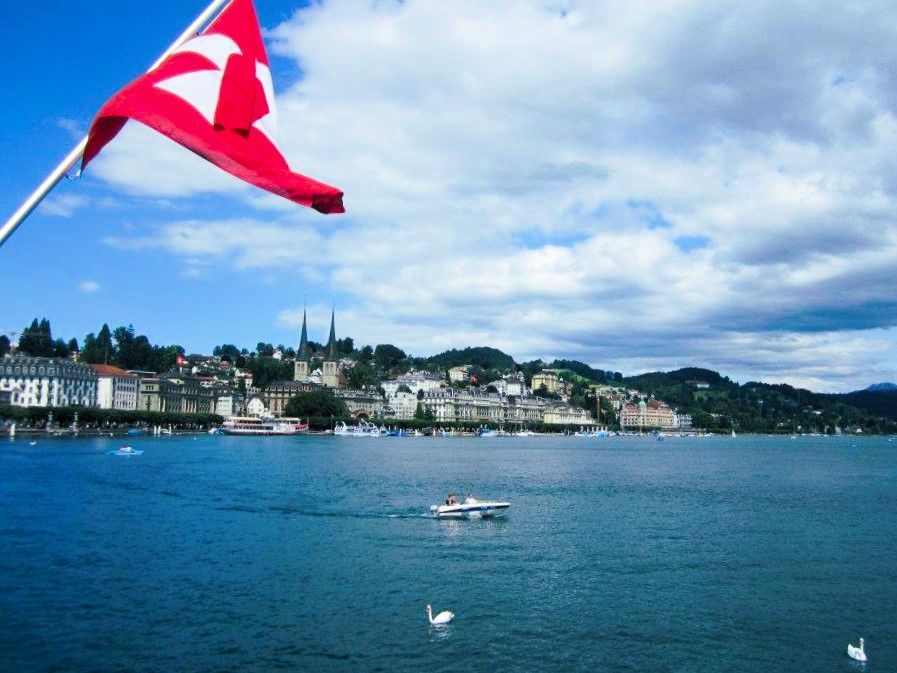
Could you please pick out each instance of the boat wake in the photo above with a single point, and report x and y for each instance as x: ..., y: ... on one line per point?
x: 343, y: 514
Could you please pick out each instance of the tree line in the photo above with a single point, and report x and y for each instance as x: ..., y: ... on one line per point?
x: 121, y: 347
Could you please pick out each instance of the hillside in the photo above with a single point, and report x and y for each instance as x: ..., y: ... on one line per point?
x: 479, y: 356
x: 880, y: 401
x: 763, y: 407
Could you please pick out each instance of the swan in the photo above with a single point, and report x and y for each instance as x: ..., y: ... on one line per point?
x: 443, y: 617
x: 857, y: 653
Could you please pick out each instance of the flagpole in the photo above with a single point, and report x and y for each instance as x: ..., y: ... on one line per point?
x: 72, y: 157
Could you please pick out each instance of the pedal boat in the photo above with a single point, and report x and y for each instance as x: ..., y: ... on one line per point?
x: 471, y: 508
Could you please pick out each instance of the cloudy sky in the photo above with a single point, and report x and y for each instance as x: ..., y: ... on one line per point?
x: 640, y: 186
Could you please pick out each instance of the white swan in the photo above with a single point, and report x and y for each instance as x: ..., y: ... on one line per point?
x: 443, y: 617
x: 857, y: 653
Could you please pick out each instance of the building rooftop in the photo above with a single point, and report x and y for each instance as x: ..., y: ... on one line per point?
x: 112, y: 370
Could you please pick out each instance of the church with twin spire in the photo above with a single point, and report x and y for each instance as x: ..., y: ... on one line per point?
x: 330, y: 375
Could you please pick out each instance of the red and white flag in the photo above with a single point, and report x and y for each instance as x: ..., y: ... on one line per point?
x: 214, y: 96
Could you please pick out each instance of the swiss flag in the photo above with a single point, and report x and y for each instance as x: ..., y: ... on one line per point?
x: 214, y: 95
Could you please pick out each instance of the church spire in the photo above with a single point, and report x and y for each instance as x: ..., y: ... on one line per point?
x: 303, y: 339
x: 331, y: 341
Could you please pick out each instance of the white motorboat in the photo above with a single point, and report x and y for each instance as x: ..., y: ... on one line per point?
x: 126, y: 450
x: 471, y: 508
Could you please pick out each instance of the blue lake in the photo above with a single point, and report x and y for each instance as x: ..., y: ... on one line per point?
x: 319, y: 554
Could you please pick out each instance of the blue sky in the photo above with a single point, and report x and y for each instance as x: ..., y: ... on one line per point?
x: 638, y: 187
x: 73, y: 60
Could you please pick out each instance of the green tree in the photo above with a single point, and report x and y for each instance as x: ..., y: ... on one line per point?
x: 98, y: 349
x: 345, y: 346
x: 267, y: 369
x: 4, y: 345
x: 362, y: 375
x: 321, y: 403
x: 227, y: 351
x: 164, y: 358
x: 37, y: 340
x: 387, y: 355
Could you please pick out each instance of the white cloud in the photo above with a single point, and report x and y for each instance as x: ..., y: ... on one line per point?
x: 89, y: 286
x: 522, y: 174
x: 73, y: 127
x: 63, y: 205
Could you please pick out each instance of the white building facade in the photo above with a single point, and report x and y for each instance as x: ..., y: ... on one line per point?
x: 47, y: 382
x: 116, y: 388
x: 414, y: 381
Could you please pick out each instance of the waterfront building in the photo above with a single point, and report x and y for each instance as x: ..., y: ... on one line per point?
x: 278, y: 393
x: 470, y: 405
x: 683, y: 421
x: 475, y: 405
x: 652, y: 414
x: 116, y: 388
x: 256, y: 407
x: 367, y: 403
x: 400, y: 405
x: 176, y: 393
x: 526, y: 409
x: 547, y: 378
x: 562, y: 414
x: 227, y: 405
x: 47, y: 382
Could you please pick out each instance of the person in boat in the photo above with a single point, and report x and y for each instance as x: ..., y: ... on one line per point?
x: 451, y: 499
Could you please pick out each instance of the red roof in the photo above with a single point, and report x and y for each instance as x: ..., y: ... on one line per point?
x: 111, y: 370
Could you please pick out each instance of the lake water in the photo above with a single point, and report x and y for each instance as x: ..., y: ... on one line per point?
x: 319, y: 554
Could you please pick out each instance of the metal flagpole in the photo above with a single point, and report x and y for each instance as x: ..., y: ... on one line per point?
x: 72, y: 157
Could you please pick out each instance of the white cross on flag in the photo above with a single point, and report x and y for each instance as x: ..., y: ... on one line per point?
x: 214, y: 96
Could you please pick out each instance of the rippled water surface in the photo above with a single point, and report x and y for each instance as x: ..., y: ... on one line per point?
x: 319, y: 554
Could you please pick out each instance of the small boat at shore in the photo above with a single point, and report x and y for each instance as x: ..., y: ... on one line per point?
x: 363, y: 429
x: 471, y: 508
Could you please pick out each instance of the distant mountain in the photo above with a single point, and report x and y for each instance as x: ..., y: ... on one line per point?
x: 880, y: 399
x: 880, y: 386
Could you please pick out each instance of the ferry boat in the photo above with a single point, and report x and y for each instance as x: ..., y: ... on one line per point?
x: 264, y: 425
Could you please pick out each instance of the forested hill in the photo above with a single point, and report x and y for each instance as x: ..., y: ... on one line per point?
x: 480, y: 356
